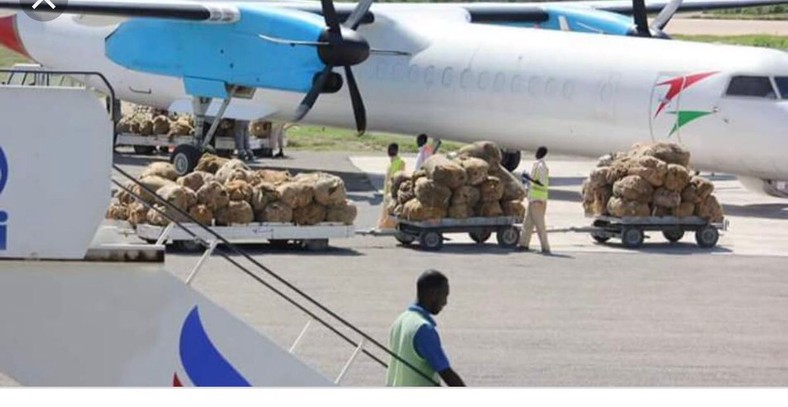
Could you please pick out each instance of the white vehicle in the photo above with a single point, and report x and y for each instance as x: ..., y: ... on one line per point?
x: 455, y: 71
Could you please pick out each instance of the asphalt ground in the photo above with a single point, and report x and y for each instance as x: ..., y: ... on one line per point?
x: 590, y: 316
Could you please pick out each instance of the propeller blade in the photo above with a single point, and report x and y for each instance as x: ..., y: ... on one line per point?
x: 354, y: 20
x: 359, y: 112
x: 639, y: 15
x: 666, y: 14
x: 311, y: 97
x: 292, y: 43
x: 330, y: 16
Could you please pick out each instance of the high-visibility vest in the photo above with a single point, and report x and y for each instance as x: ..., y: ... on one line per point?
x: 397, y: 164
x: 403, y: 332
x: 538, y: 192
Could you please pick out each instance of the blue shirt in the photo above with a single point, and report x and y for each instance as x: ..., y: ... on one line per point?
x: 427, y: 342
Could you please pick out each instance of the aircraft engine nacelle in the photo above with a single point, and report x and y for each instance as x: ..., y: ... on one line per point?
x: 211, y: 56
x: 768, y: 187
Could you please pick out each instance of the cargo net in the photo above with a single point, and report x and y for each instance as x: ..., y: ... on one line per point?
x: 158, y: 196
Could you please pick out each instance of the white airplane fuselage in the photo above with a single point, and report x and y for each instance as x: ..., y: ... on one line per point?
x: 574, y: 93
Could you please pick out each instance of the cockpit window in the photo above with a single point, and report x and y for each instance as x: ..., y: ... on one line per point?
x: 753, y: 86
x: 782, y: 85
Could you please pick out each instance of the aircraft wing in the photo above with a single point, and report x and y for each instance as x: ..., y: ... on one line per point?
x: 625, y: 6
x: 223, y: 12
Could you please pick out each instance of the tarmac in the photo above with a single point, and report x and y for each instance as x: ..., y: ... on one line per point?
x: 590, y: 315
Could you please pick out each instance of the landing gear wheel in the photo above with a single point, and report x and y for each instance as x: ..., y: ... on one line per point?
x: 431, y: 241
x: 508, y: 237
x: 673, y: 236
x: 404, y: 238
x: 185, y: 158
x: 600, y: 237
x: 480, y: 236
x: 144, y: 150
x: 632, y: 238
x: 707, y: 236
x: 510, y: 159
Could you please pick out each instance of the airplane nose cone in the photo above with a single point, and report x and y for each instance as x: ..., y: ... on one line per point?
x: 9, y: 36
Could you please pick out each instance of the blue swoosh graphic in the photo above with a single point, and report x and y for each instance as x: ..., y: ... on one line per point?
x: 3, y: 170
x: 202, y: 362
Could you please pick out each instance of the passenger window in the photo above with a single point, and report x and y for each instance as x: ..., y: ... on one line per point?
x: 754, y: 86
x: 782, y: 85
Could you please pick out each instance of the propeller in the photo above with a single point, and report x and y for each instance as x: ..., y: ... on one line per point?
x: 641, y: 27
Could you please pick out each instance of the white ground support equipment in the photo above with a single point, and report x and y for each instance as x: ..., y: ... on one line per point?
x: 430, y: 233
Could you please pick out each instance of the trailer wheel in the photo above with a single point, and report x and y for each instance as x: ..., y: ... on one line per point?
x: 185, y: 158
x: 632, y: 238
x: 144, y: 150
x: 508, y: 237
x: 673, y: 235
x: 707, y: 236
x: 432, y: 241
x: 404, y: 238
x: 480, y: 236
x: 600, y: 237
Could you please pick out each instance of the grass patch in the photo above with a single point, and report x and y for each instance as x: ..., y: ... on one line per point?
x: 319, y: 138
x: 766, y: 41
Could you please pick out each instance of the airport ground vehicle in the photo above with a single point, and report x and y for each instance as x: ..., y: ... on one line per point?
x: 429, y: 233
x: 632, y: 230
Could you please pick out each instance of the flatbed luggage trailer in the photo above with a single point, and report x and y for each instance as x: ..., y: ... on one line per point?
x: 632, y: 230
x: 430, y: 233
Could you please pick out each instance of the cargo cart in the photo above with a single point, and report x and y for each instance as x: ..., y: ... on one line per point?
x: 631, y: 230
x: 430, y: 233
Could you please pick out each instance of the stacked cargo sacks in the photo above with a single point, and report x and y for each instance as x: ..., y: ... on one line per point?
x: 225, y: 192
x: 473, y: 184
x: 145, y: 122
x: 649, y: 180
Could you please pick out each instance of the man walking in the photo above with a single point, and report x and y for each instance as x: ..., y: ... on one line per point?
x: 414, y: 338
x: 537, y: 202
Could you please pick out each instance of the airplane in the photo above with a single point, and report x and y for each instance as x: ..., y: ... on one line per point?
x: 458, y: 71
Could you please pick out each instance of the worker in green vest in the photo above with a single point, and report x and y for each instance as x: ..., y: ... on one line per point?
x: 385, y: 221
x: 414, y: 338
x: 539, y: 180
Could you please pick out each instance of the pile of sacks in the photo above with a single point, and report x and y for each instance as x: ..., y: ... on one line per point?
x: 225, y: 192
x: 473, y: 184
x: 649, y: 180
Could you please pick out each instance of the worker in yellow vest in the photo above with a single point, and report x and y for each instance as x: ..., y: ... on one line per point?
x: 539, y: 180
x: 397, y: 164
x: 414, y: 338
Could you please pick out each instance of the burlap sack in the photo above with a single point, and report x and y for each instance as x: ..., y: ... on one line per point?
x: 445, y: 172
x: 605, y: 160
x: 617, y: 171
x: 676, y: 178
x: 460, y: 212
x: 258, y: 128
x: 238, y: 213
x: 345, y: 214
x: 432, y: 194
x: 398, y: 209
x: 685, y: 209
x: 296, y: 194
x: 514, y: 208
x: 465, y: 195
x: 146, y: 127
x: 661, y: 211
x: 274, y: 177
x: 633, y: 188
x: 160, y: 169
x: 240, y: 175
x: 117, y: 211
x: 202, y: 214
x: 486, y: 150
x: 213, y: 195
x: 690, y: 194
x: 124, y: 125
x: 649, y: 168
x: 406, y: 192
x: 138, y: 214
x: 277, y: 212
x: 261, y: 197
x: 239, y: 191
x: 491, y: 190
x: 193, y: 181
x: 513, y: 189
x: 598, y: 177
x: 156, y: 218
x: 666, y: 198
x: 210, y: 163
x: 329, y: 190
x: 180, y: 128
x: 177, y: 195
x: 124, y: 197
x: 161, y: 125
x: 153, y: 183
x: 415, y: 211
x: 489, y: 209
x: 311, y: 214
x: 703, y: 187
x: 396, y: 180
x: 625, y: 208
x: 224, y: 173
x: 418, y: 174
x: 710, y: 209
x: 668, y: 152
x: 597, y: 206
x: 476, y: 169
